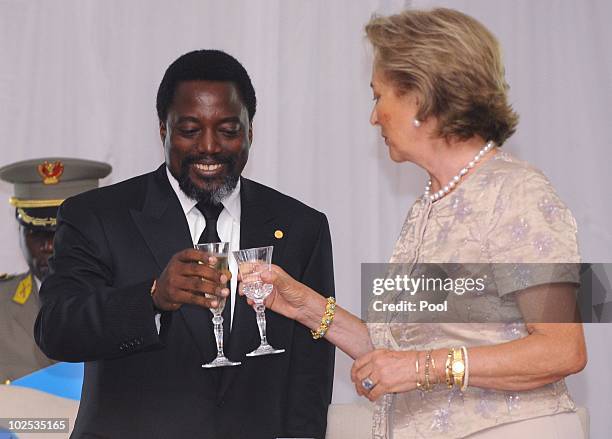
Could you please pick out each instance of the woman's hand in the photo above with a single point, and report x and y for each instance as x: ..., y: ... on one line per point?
x: 389, y: 371
x: 288, y: 296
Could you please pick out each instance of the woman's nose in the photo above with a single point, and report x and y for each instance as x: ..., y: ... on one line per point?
x: 373, y: 117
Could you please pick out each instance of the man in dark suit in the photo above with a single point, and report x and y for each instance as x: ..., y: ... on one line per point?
x: 125, y: 293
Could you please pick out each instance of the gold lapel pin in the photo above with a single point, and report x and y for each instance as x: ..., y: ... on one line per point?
x: 278, y: 234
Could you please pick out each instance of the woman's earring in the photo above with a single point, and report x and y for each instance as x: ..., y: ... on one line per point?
x: 416, y: 122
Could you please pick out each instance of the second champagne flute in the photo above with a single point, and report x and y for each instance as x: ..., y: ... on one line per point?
x: 251, y: 262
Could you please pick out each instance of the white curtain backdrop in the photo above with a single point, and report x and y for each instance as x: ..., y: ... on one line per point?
x: 79, y: 78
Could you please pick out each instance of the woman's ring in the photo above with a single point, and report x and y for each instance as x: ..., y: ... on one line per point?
x: 367, y: 384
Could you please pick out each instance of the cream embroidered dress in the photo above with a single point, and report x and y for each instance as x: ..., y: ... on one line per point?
x: 505, y: 212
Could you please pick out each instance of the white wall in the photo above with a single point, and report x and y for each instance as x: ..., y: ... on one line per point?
x: 79, y: 77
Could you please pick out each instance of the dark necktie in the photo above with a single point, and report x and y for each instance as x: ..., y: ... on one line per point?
x: 211, y: 212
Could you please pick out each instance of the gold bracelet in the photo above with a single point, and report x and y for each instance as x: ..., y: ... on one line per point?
x: 449, y: 370
x: 458, y: 367
x: 433, y: 366
x: 326, y: 320
x: 428, y: 385
x: 419, y: 385
x: 466, y: 377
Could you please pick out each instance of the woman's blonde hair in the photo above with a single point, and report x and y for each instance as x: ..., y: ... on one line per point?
x: 453, y: 63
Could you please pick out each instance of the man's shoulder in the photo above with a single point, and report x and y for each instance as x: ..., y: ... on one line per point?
x: 259, y: 193
x: 9, y: 284
x: 119, y: 194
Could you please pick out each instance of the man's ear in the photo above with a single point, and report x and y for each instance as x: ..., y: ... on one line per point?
x: 162, y: 131
x: 250, y: 133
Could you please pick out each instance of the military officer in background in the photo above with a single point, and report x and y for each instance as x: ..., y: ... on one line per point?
x: 40, y: 186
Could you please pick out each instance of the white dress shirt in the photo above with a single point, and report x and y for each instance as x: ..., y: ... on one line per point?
x: 228, y: 228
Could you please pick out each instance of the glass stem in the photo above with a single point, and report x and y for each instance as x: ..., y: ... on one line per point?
x: 219, y: 337
x: 261, y: 322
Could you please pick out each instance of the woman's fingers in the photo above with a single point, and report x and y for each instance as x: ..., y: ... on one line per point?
x: 270, y: 277
x: 359, y: 363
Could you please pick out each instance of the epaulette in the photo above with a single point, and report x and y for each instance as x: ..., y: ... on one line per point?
x: 24, y: 290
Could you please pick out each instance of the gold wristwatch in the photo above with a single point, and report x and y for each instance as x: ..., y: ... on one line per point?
x: 458, y: 367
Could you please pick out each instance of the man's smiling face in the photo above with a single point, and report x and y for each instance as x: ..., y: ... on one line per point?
x: 206, y: 137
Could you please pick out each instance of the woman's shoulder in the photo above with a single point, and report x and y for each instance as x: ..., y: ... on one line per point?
x: 506, y: 169
x: 506, y: 178
x: 526, y: 214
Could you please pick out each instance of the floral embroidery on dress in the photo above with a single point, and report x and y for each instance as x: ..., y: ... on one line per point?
x: 460, y: 206
x: 549, y: 208
x: 513, y: 401
x: 486, y: 406
x: 513, y: 330
x: 443, y: 233
x: 441, y: 421
x: 485, y: 181
x: 519, y: 229
x: 543, y: 244
x: 500, y: 205
x: 504, y: 156
x: 455, y: 395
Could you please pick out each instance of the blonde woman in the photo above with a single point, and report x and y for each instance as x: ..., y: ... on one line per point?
x: 441, y: 103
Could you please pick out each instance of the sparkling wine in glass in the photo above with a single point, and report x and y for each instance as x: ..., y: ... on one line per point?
x: 251, y: 263
x: 219, y: 250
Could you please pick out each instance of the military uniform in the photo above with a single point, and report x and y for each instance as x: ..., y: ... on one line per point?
x: 18, y: 310
x: 40, y: 186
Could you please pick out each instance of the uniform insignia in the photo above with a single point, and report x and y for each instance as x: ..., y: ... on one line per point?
x: 51, y: 172
x: 279, y: 234
x: 24, y: 289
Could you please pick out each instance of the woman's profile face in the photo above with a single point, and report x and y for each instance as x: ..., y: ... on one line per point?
x: 394, y: 113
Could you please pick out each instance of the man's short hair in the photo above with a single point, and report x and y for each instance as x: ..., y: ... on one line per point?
x: 205, y: 65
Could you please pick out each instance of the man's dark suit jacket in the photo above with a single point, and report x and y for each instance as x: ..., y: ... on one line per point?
x: 96, y: 307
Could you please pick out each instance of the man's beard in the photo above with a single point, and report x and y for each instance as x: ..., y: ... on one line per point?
x: 219, y: 192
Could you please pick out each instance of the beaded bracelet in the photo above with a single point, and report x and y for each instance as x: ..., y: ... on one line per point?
x: 427, y: 363
x: 326, y: 320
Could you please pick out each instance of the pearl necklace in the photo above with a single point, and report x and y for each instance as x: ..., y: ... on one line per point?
x: 455, y: 180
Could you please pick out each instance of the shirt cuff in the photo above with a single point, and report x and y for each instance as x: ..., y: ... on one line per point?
x: 158, y: 322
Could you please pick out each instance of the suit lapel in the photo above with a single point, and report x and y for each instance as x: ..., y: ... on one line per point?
x: 166, y: 232
x: 258, y: 223
x: 161, y: 221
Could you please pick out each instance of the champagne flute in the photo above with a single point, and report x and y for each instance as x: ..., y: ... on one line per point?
x: 219, y: 250
x: 251, y: 262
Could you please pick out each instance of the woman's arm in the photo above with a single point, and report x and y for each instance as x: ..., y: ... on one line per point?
x: 549, y: 353
x: 554, y: 348
x: 297, y: 301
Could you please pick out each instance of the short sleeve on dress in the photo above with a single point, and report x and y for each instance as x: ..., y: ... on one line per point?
x: 531, y: 238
